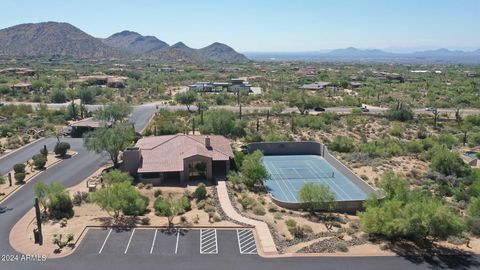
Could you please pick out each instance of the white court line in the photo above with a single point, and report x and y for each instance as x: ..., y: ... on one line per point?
x: 270, y: 167
x: 285, y: 184
x: 129, y: 240
x: 330, y: 180
x: 105, y: 241
x: 176, y: 245
x: 153, y: 242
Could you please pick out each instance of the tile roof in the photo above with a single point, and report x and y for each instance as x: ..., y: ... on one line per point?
x: 166, y: 153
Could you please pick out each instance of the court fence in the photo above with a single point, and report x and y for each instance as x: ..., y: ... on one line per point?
x: 315, y: 148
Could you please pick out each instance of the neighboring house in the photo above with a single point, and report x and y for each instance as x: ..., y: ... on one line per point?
x: 356, y: 84
x: 80, y: 127
x: 18, y: 71
x: 316, y: 85
x: 22, y: 86
x: 110, y: 81
x: 234, y: 85
x: 176, y: 159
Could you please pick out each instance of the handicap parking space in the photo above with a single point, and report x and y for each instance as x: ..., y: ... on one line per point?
x: 246, y: 241
x: 168, y: 242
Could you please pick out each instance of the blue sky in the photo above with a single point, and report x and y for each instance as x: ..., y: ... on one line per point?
x: 269, y: 25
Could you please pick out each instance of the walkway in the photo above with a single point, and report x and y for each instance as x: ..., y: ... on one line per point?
x: 264, y: 235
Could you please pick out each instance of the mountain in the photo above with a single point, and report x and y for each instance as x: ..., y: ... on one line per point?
x: 374, y: 55
x: 216, y: 52
x: 220, y: 53
x: 50, y: 39
x: 354, y: 52
x: 135, y: 43
x: 63, y: 39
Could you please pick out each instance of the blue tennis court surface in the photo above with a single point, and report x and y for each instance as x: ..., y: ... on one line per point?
x: 288, y: 173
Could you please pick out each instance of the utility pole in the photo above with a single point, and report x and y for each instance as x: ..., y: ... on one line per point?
x: 193, y: 125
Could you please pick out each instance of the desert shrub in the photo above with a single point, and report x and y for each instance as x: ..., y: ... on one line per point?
x: 148, y: 186
x: 19, y: 168
x: 307, y: 229
x: 80, y: 197
x: 341, y: 246
x: 201, y: 204
x: 297, y: 231
x: 209, y: 208
x: 146, y: 221
x: 247, y: 202
x: 383, y: 148
x: 399, y: 112
x: 342, y: 144
x: 61, y: 148
x: 19, y: 177
x: 397, y: 130
x: 272, y: 208
x: 278, y: 215
x: 162, y: 207
x: 135, y: 205
x: 117, y: 176
x: 140, y: 185
x: 39, y: 161
x: 473, y: 216
x: 290, y: 223
x: 60, y: 205
x: 2, y: 179
x: 200, y: 192
x: 63, y: 222
x: 258, y: 210
x: 217, y: 218
x: 25, y: 139
x: 186, y: 204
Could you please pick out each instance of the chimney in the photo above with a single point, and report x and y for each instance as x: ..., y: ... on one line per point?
x: 207, y: 142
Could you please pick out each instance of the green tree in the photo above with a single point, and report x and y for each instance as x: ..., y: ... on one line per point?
x: 200, y: 192
x: 61, y: 148
x: 448, y: 163
x: 303, y: 101
x: 169, y: 207
x: 117, y: 176
x: 86, y: 95
x: 399, y: 112
x: 54, y: 199
x: 39, y: 161
x: 342, y: 144
x: 120, y: 197
x: 222, y: 122
x: 58, y: 96
x: 317, y: 197
x: 473, y: 216
x: 112, y: 140
x: 41, y: 192
x: 253, y: 170
x: 114, y: 113
x: 186, y: 98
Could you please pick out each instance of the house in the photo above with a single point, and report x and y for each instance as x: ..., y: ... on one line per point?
x: 80, y: 127
x: 356, y: 84
x: 235, y: 85
x: 18, y: 71
x: 22, y: 86
x: 316, y: 85
x: 110, y: 81
x: 176, y: 159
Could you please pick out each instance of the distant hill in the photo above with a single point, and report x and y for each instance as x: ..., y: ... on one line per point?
x: 63, y: 39
x: 375, y: 55
x: 135, y: 43
x: 216, y: 52
x: 52, y: 39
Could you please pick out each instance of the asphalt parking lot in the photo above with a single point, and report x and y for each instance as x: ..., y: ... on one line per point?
x: 165, y: 242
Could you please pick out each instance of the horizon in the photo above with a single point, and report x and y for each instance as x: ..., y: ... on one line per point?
x: 343, y: 24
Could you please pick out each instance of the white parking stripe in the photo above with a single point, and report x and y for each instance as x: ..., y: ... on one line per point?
x: 105, y: 241
x: 246, y: 242
x: 208, y: 241
x: 129, y: 240
x: 176, y: 245
x: 153, y: 243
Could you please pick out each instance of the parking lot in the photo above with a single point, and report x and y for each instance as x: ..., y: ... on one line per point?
x: 168, y: 242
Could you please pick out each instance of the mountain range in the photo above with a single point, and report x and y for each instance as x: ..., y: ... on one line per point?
x: 63, y: 39
x: 354, y: 54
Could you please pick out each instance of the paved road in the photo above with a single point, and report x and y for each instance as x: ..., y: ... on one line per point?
x: 146, y: 107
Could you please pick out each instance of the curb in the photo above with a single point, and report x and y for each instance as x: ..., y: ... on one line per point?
x: 21, y: 147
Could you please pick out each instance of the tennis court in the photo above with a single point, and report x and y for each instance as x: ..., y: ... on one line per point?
x: 288, y: 173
